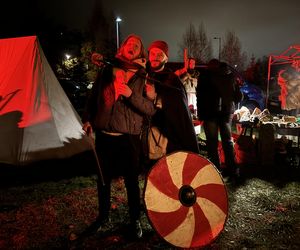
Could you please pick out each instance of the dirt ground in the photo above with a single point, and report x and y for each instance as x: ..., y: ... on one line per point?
x: 44, y: 209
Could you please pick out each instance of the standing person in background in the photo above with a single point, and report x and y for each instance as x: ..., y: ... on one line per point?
x: 115, y: 111
x: 217, y: 93
x: 189, y: 77
x: 173, y: 116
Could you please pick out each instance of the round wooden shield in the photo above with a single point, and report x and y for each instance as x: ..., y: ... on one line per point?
x: 186, y: 200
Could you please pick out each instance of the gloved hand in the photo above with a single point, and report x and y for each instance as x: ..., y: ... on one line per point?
x: 120, y: 84
x: 87, y: 127
x: 96, y: 59
x: 150, y: 91
x: 122, y: 89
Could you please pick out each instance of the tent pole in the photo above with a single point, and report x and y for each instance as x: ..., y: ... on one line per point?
x: 268, y: 82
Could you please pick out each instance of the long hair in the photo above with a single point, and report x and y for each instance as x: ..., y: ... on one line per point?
x: 121, y: 49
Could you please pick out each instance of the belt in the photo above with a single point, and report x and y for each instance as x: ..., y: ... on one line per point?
x: 111, y: 133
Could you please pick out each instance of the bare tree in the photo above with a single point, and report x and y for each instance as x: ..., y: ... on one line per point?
x: 204, y: 51
x: 101, y: 38
x: 189, y: 42
x: 102, y: 30
x: 231, y: 52
x: 197, y: 43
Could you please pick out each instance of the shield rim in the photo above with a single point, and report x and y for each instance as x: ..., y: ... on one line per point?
x: 145, y: 187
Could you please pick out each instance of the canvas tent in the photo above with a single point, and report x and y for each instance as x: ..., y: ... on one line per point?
x: 37, y: 120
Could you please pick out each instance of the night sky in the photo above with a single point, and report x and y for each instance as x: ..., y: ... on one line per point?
x: 264, y: 27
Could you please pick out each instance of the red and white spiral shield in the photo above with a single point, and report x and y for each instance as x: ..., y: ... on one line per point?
x: 186, y: 200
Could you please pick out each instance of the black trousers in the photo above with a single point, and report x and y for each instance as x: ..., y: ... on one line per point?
x: 212, y: 130
x: 118, y: 156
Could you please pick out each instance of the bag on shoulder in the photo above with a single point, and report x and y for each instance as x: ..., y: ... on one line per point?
x: 153, y: 142
x: 157, y: 143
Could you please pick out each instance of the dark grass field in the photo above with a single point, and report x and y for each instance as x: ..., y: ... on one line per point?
x: 44, y: 206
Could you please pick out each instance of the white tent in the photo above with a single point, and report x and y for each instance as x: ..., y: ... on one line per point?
x: 37, y: 120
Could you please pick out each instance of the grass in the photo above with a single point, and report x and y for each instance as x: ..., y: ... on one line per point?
x: 44, y: 212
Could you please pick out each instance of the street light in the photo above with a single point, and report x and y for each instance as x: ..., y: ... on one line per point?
x: 67, y: 56
x: 219, y: 38
x: 118, y: 19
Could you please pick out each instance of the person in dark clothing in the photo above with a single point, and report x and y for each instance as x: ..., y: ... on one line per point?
x: 173, y: 116
x: 217, y: 94
x: 115, y: 111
